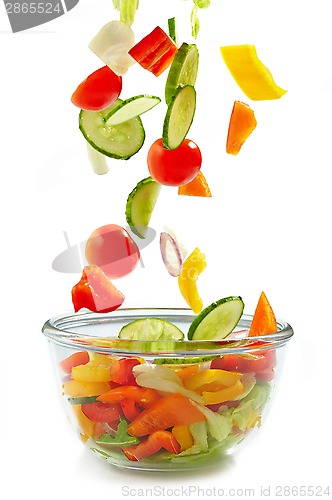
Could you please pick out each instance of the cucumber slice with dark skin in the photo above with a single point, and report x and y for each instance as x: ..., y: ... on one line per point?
x: 130, y: 108
x: 183, y: 70
x: 217, y: 320
x: 172, y: 29
x: 179, y: 117
x: 183, y: 361
x: 140, y: 205
x: 116, y: 141
x: 82, y: 400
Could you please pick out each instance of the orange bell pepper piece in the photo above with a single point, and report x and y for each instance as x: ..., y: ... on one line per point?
x: 170, y: 410
x: 85, y: 424
x: 197, y: 187
x: 84, y: 389
x: 187, y: 372
x: 154, y: 443
x: 241, y: 125
x: 264, y: 320
x: 142, y: 396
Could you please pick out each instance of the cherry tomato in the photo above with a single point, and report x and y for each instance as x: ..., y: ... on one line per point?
x: 112, y: 249
x: 174, y: 167
x: 98, y: 91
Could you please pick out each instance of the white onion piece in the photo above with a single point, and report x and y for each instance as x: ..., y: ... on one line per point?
x: 170, y: 254
x: 97, y: 160
x: 111, y: 45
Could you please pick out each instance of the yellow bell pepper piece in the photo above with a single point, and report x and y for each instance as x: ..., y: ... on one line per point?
x: 212, y: 380
x: 101, y: 359
x: 254, y: 79
x: 93, y: 371
x: 85, y: 424
x: 183, y: 436
x: 226, y: 394
x: 85, y: 389
x: 192, y: 267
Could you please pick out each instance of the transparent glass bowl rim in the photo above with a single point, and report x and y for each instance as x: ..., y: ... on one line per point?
x: 58, y: 330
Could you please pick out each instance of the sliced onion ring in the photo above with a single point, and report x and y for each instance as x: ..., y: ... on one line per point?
x: 171, y: 254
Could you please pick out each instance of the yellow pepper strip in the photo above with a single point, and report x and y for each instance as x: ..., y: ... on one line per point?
x: 85, y: 424
x: 227, y: 394
x: 85, y: 389
x: 253, y: 78
x: 212, y: 379
x: 183, y: 436
x: 93, y: 371
x: 187, y: 372
x: 192, y: 267
x: 101, y: 359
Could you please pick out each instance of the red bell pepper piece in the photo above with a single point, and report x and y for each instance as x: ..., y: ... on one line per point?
x: 101, y: 412
x: 155, y: 51
x: 168, y: 411
x: 154, y: 443
x: 262, y: 360
x: 76, y: 359
x: 122, y: 371
x: 142, y: 396
x: 95, y: 292
x: 129, y: 408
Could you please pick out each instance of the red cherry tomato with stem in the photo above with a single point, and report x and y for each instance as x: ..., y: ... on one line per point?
x: 174, y: 167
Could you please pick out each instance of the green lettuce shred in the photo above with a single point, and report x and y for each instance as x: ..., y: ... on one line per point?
x: 127, y: 9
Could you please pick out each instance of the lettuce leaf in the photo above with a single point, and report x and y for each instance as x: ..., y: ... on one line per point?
x: 127, y: 9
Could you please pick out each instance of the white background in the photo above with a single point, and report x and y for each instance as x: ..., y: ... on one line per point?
x: 267, y: 227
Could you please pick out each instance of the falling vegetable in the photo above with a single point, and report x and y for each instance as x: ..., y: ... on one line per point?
x: 154, y: 52
x: 197, y: 187
x: 264, y: 320
x: 241, y: 124
x: 192, y: 267
x: 254, y: 79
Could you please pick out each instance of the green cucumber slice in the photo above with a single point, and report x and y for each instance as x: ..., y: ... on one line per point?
x: 82, y: 400
x: 217, y: 320
x: 172, y: 29
x: 183, y: 361
x: 183, y: 70
x: 130, y: 108
x: 116, y: 141
x: 150, y: 329
x: 179, y: 117
x: 140, y: 205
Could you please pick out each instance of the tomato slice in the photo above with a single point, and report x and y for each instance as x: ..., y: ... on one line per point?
x: 76, y: 359
x: 257, y: 362
x: 101, y: 412
x: 95, y: 292
x: 98, y: 91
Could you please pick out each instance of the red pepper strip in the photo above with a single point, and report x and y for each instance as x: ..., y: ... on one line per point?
x: 254, y: 363
x: 129, y: 409
x: 101, y: 412
x: 95, y: 292
x: 121, y: 371
x: 155, y: 51
x: 151, y: 445
x: 142, y: 396
x: 168, y: 411
x: 76, y: 359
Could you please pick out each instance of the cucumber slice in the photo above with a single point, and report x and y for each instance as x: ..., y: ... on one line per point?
x: 183, y: 361
x: 130, y: 108
x: 150, y: 329
x: 183, y: 70
x: 216, y: 321
x: 82, y: 400
x: 179, y: 117
x: 140, y: 205
x: 117, y: 141
x: 172, y: 29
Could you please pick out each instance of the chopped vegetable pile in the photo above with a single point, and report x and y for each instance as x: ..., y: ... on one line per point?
x: 169, y: 409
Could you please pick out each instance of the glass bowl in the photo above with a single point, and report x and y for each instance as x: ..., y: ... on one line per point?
x: 162, y: 405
